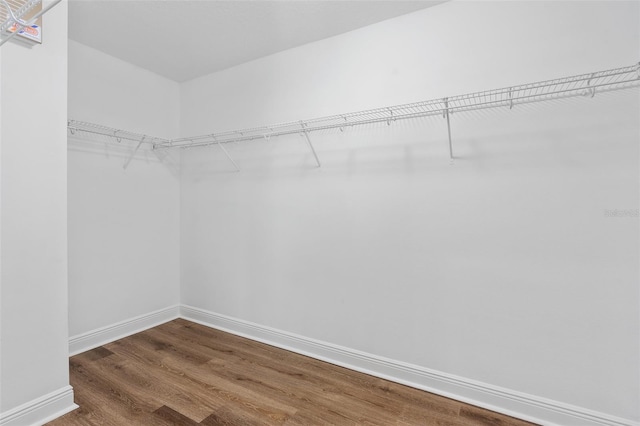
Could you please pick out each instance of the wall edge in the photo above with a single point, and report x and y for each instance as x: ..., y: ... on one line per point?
x: 100, y: 336
x: 41, y: 410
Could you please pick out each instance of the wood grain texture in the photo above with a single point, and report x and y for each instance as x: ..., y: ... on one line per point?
x: 182, y: 373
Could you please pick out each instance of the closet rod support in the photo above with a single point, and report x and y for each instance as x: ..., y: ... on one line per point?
x: 126, y: 163
x: 226, y: 153
x: 446, y: 113
x: 306, y: 135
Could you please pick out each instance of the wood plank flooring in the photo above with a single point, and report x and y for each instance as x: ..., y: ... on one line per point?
x: 182, y: 373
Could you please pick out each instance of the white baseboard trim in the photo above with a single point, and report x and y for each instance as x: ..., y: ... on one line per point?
x: 40, y: 410
x: 516, y: 404
x: 92, y: 339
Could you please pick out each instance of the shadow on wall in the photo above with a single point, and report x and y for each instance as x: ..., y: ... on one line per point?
x: 529, y: 135
x: 125, y: 153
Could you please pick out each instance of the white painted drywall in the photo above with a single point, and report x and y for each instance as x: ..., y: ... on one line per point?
x: 123, y: 224
x: 501, y: 268
x: 34, y: 329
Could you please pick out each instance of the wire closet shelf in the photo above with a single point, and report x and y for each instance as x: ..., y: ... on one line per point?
x: 118, y: 135
x: 13, y: 12
x: 577, y: 85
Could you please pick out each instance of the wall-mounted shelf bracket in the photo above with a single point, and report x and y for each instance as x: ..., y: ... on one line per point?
x: 226, y: 153
x: 306, y: 135
x: 133, y: 153
x: 446, y: 114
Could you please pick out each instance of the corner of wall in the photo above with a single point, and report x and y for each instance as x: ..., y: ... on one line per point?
x: 41, y: 410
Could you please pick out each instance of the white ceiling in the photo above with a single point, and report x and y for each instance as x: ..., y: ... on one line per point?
x: 185, y: 39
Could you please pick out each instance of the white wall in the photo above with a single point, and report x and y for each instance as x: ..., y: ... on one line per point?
x: 34, y: 328
x: 501, y: 268
x: 123, y: 224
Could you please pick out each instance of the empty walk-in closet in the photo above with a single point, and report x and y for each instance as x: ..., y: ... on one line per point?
x: 320, y: 212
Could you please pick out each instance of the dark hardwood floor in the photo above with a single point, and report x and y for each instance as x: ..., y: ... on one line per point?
x: 181, y: 373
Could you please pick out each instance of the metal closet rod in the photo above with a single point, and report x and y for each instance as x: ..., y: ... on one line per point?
x: 577, y: 85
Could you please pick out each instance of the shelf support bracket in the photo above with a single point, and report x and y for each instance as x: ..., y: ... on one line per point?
x: 446, y: 114
x: 126, y: 163
x: 306, y: 135
x: 226, y: 153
